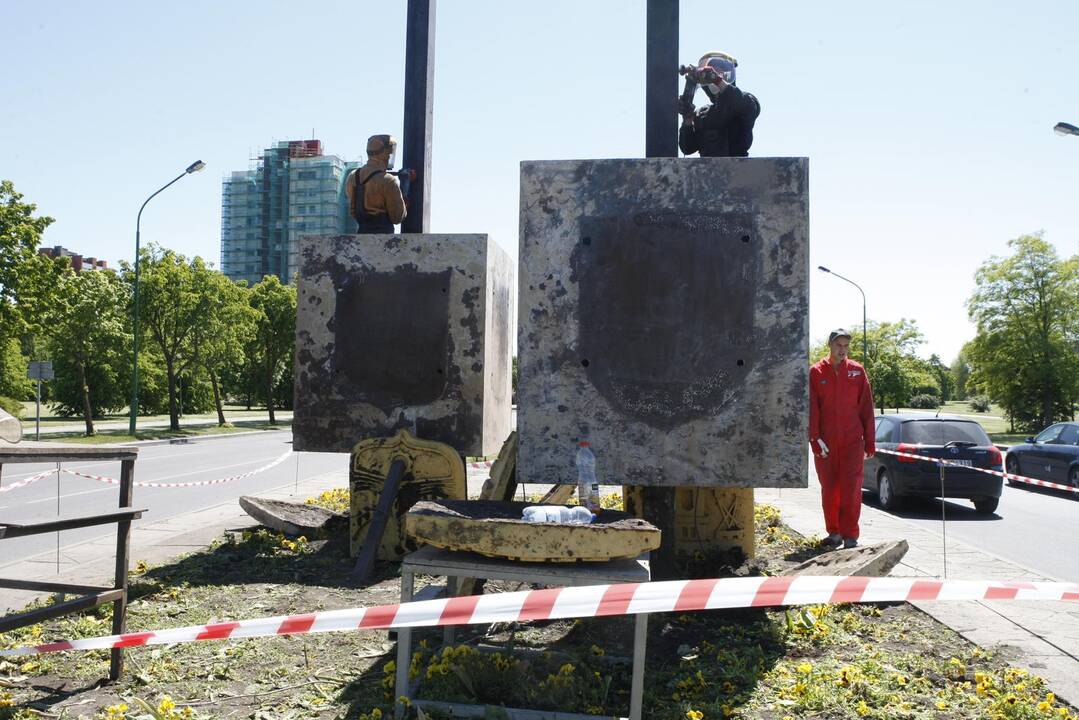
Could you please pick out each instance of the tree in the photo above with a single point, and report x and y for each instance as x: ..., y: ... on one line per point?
x: 227, y: 328
x: 961, y: 373
x: 275, y: 331
x: 88, y: 338
x: 174, y: 301
x: 23, y: 273
x: 24, y: 284
x: 943, y: 376
x: 1024, y: 353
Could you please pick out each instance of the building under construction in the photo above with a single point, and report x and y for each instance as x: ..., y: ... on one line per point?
x: 292, y: 190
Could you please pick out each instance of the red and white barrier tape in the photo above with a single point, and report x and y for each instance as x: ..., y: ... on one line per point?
x: 998, y: 473
x: 481, y: 465
x: 25, y: 481
x: 194, y: 483
x: 589, y: 601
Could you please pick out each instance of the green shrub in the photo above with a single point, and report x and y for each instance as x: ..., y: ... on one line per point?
x: 925, y: 401
x: 11, y: 406
x: 979, y: 403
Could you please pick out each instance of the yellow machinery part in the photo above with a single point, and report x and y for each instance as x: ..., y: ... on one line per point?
x: 433, y: 471
x: 707, y: 520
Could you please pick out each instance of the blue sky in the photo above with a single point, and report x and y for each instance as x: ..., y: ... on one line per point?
x: 927, y: 125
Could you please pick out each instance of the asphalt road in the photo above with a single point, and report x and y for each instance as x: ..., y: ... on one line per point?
x: 197, y: 460
x: 1034, y: 527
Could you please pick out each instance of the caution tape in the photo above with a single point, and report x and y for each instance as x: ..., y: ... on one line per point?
x: 998, y: 473
x: 25, y: 481
x: 481, y: 465
x: 194, y: 483
x: 584, y: 602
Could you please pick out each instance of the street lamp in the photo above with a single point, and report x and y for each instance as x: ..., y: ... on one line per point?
x: 865, y: 335
x: 1063, y: 128
x: 192, y: 168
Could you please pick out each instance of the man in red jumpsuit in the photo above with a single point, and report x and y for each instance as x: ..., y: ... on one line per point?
x: 841, y: 435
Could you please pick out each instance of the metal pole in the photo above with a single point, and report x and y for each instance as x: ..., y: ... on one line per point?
x: 865, y: 332
x: 37, y: 420
x: 135, y: 363
x: 661, y: 79
x: 419, y: 111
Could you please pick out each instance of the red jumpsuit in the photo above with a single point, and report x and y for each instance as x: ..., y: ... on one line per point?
x: 841, y: 414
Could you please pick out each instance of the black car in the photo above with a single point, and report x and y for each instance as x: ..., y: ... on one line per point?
x: 949, y: 438
x: 1053, y: 455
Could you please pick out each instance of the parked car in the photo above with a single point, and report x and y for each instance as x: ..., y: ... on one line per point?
x: 1053, y: 455
x: 951, y: 438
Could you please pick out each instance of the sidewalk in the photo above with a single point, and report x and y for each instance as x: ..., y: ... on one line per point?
x: 193, y: 421
x: 1042, y: 637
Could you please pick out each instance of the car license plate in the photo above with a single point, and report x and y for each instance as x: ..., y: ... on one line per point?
x: 953, y: 463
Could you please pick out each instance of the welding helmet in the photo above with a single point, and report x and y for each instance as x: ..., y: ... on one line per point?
x: 719, y: 63
x: 383, y: 145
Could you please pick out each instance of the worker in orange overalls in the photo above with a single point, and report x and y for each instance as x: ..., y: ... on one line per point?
x: 842, y: 437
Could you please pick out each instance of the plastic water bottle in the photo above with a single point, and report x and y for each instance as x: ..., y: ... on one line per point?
x: 587, y: 486
x: 577, y: 515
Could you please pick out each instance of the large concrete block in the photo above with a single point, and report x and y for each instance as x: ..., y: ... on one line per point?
x: 664, y: 317
x: 403, y: 331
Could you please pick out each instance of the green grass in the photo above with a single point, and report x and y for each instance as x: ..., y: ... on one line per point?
x: 49, y: 417
x: 121, y: 436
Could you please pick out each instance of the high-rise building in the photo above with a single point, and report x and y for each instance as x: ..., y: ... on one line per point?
x: 293, y: 190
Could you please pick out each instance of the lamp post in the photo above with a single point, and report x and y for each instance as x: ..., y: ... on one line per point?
x: 865, y: 334
x: 192, y: 168
x: 1063, y: 128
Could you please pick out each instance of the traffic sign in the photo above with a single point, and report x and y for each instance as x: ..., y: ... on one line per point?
x: 40, y: 370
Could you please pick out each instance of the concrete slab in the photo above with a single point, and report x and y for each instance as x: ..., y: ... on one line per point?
x: 403, y: 331
x: 663, y: 317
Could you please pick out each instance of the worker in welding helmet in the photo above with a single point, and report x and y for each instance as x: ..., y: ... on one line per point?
x: 724, y: 127
x: 375, y: 198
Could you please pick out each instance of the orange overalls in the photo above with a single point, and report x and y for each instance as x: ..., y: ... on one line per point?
x: 841, y: 414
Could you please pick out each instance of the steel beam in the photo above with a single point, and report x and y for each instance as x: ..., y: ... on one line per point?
x: 419, y: 108
x: 661, y: 79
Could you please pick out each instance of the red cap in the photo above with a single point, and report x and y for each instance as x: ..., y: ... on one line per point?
x: 584, y: 443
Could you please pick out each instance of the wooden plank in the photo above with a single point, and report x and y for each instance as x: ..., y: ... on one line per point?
x: 23, y: 529
x: 123, y: 547
x: 51, y: 587
x: 432, y: 561
x: 366, y: 560
x: 32, y: 617
x: 461, y: 710
x: 51, y: 452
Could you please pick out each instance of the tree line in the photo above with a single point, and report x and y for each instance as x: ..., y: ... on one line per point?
x: 203, y: 339
x: 1024, y: 355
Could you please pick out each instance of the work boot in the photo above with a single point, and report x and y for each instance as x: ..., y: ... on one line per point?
x: 850, y: 542
x: 832, y: 541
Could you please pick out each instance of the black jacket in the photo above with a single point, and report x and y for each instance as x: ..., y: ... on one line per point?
x: 724, y: 128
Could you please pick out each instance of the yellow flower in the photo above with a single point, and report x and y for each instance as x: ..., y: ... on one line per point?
x: 694, y: 714
x: 1050, y: 698
x: 166, y: 705
x: 1044, y: 706
x: 941, y: 705
x: 805, y: 668
x: 376, y: 714
x: 597, y: 651
x: 404, y: 701
x: 6, y: 699
x: 389, y: 667
x: 862, y: 709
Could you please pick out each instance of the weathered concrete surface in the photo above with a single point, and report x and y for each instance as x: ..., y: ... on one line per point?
x: 664, y: 317
x: 403, y: 331
x: 294, y: 518
x: 866, y: 561
x: 496, y: 529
